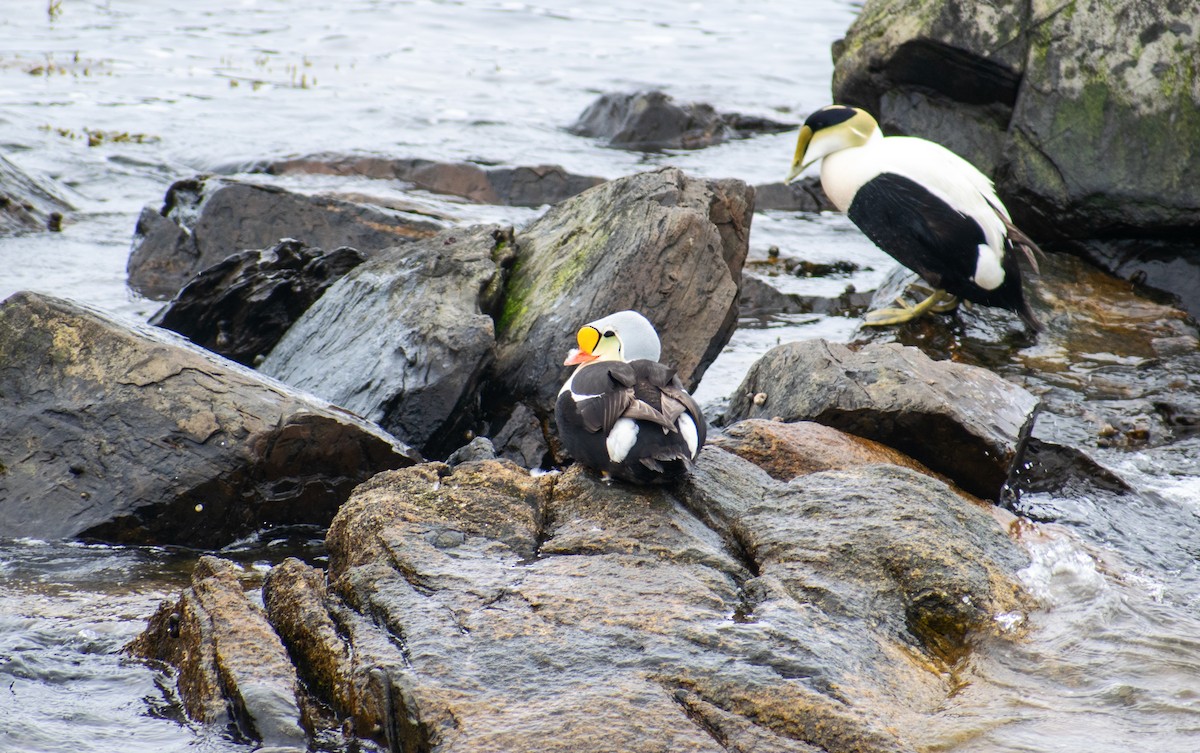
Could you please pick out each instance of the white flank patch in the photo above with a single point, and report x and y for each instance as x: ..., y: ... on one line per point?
x: 989, y: 275
x: 687, y: 428
x: 621, y: 439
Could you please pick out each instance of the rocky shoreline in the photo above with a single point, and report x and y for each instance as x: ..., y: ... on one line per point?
x: 846, y: 541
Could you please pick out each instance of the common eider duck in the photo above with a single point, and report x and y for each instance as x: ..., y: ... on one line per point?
x: 623, y: 413
x: 925, y: 206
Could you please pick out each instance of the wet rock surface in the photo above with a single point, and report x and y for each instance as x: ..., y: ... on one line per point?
x: 1088, y: 119
x: 652, y: 120
x: 125, y: 433
x: 1115, y: 371
x: 233, y: 670
x: 760, y: 297
x: 241, y: 306
x: 28, y: 203
x: 204, y: 220
x: 403, y: 340
x: 959, y: 420
x: 481, y: 608
x: 662, y: 243
x: 788, y: 450
x: 511, y: 186
x: 804, y: 195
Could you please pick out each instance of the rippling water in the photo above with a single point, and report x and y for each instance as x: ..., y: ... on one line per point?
x: 170, y: 89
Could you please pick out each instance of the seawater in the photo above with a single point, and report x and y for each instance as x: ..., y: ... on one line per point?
x: 114, y: 101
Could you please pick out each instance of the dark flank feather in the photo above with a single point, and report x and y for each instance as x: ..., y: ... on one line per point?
x: 930, y: 237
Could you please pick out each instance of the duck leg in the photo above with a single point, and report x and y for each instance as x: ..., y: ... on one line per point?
x: 939, y: 301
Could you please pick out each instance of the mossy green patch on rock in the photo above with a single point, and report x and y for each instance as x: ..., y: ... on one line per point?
x: 656, y: 242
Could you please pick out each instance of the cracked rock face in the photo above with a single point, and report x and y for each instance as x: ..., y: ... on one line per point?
x: 404, y: 338
x: 962, y: 421
x: 480, y: 608
x: 129, y: 434
x: 233, y: 669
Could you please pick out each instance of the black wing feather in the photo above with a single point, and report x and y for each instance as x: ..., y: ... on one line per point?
x: 919, y: 230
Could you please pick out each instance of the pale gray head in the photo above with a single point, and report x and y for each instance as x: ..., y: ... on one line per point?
x: 623, y: 336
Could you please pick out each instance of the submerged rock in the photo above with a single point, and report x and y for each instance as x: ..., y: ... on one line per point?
x: 241, y: 306
x: 1087, y: 115
x: 125, y: 433
x: 203, y: 220
x: 481, y: 608
x: 28, y: 203
x: 233, y: 670
x: 959, y: 420
x: 662, y: 243
x: 651, y: 120
x: 404, y: 338
x: 512, y: 186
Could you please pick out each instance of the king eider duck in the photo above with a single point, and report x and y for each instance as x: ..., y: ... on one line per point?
x: 925, y: 206
x: 623, y: 413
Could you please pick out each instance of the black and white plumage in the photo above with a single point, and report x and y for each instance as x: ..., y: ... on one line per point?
x: 924, y: 205
x: 622, y: 412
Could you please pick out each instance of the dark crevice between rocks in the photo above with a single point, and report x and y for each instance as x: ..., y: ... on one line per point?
x: 545, y: 519
x: 241, y: 724
x: 401, y: 725
x: 692, y: 707
x: 954, y: 73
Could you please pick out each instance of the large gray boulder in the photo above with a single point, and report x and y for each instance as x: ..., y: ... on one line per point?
x: 203, y: 220
x: 127, y: 433
x: 403, y: 339
x: 662, y: 243
x: 962, y: 421
x: 1087, y: 115
x: 482, y: 608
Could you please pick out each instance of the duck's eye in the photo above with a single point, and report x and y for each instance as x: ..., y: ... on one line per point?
x: 610, y: 333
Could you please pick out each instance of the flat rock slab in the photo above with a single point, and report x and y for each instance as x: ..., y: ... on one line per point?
x: 652, y: 120
x: 233, y: 669
x: 532, y: 186
x: 788, y: 450
x: 126, y: 433
x: 962, y: 421
x: 662, y: 243
x: 481, y: 608
x: 241, y: 306
x: 203, y: 220
x: 404, y: 339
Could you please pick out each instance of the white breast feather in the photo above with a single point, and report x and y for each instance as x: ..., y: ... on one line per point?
x: 687, y: 429
x: 948, y: 176
x: 621, y: 439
